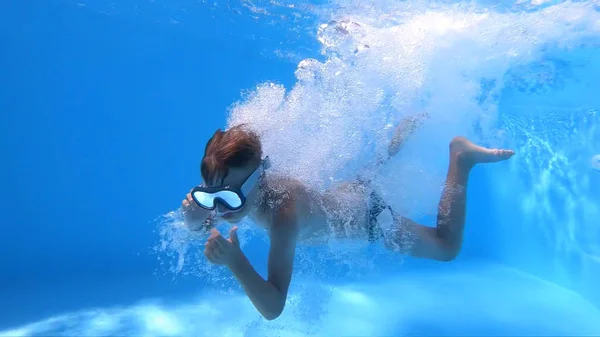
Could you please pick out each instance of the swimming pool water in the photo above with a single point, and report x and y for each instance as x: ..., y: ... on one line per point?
x: 107, y: 108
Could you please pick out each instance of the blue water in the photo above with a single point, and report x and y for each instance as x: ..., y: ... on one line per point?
x: 106, y: 108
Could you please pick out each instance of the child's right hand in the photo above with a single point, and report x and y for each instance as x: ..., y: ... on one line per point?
x: 195, y: 216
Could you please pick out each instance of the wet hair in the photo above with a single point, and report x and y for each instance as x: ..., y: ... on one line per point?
x: 234, y: 148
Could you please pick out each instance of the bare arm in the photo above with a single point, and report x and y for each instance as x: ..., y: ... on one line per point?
x: 269, y: 296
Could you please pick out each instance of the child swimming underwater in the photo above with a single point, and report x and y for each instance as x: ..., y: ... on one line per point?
x: 237, y: 185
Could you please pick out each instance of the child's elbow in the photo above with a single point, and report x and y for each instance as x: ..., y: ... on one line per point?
x: 271, y: 316
x: 273, y: 313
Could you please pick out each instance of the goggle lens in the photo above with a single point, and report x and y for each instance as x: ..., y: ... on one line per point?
x: 207, y: 200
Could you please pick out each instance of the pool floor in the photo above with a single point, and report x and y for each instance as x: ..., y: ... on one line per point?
x: 482, y: 299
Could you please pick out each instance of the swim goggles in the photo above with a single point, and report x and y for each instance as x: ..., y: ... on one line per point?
x: 232, y: 197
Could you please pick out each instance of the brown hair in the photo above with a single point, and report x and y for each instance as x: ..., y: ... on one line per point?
x: 235, y: 147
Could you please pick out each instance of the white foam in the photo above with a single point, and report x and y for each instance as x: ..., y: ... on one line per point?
x: 383, y: 60
x: 386, y: 60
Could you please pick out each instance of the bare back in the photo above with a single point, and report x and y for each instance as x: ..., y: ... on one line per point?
x: 339, y: 212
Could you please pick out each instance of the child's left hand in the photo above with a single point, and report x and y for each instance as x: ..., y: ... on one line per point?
x: 219, y: 250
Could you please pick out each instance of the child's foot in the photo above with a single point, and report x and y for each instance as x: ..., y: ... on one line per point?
x: 473, y: 154
x: 406, y: 127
